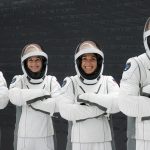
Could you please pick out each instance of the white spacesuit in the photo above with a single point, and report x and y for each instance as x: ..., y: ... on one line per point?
x: 87, y: 99
x: 30, y: 90
x: 135, y: 96
x: 3, y: 92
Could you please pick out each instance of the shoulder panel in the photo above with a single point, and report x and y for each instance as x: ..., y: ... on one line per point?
x: 66, y: 82
x: 68, y: 85
x: 130, y: 67
x: 16, y: 81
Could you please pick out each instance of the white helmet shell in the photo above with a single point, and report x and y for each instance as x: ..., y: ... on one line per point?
x: 84, y: 48
x: 29, y: 51
x: 146, y: 37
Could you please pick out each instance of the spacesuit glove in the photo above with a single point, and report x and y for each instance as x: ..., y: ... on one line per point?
x: 105, y: 102
x: 45, y: 95
x: 47, y: 106
x: 86, y: 98
x: 81, y: 102
x: 146, y: 91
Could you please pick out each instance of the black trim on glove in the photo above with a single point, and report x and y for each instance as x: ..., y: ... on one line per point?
x: 145, y: 94
x: 45, y: 112
x: 38, y: 98
x: 92, y: 104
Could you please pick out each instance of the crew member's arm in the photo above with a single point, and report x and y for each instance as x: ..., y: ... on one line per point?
x: 109, y: 101
x: 3, y: 92
x: 19, y: 96
x: 131, y: 101
x: 49, y: 105
x: 72, y: 111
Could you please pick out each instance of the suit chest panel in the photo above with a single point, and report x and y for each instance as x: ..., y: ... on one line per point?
x: 44, y: 85
x: 100, y: 87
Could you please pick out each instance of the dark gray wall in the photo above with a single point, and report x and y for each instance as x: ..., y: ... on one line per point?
x: 59, y: 26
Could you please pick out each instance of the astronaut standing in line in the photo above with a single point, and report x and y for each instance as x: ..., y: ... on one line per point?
x: 88, y: 98
x: 32, y: 89
x: 3, y: 95
x: 3, y: 92
x: 135, y: 96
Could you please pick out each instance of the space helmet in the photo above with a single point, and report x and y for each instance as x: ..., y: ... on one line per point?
x: 89, y: 47
x: 29, y: 51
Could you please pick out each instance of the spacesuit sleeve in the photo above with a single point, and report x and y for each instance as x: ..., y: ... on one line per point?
x: 3, y: 92
x: 19, y: 96
x: 46, y: 106
x: 129, y: 100
x: 107, y: 102
x: 72, y: 111
x: 56, y: 88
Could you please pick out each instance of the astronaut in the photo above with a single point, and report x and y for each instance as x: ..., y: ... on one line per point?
x: 135, y: 96
x: 32, y: 90
x: 3, y: 92
x: 83, y: 100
